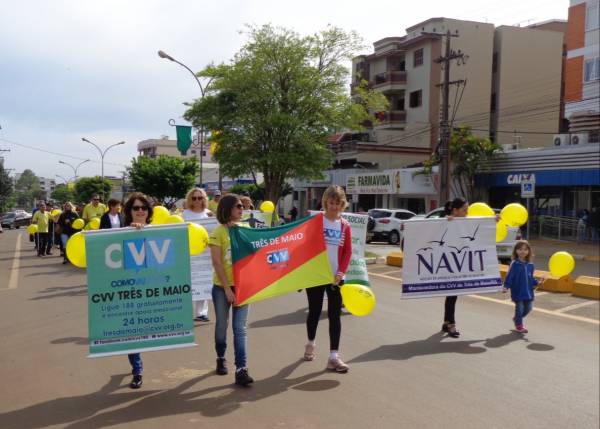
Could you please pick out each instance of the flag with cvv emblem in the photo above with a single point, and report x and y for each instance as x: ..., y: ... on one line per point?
x: 269, y: 262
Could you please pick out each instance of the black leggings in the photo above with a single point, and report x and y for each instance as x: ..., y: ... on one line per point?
x: 449, y: 308
x: 334, y: 310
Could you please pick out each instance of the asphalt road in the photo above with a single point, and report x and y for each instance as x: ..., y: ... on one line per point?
x: 403, y: 372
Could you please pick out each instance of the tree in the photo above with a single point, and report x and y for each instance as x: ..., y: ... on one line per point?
x: 166, y: 178
x: 86, y: 187
x: 468, y: 155
x: 257, y: 192
x: 62, y: 194
x: 6, y: 189
x: 277, y: 102
x: 27, y: 189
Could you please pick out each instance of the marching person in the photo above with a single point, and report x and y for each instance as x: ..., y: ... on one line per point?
x: 338, y: 238
x: 138, y: 213
x: 229, y: 214
x: 42, y: 218
x: 214, y: 203
x: 113, y: 217
x: 247, y: 203
x: 93, y: 209
x: 196, y: 202
x: 458, y: 207
x: 65, y: 220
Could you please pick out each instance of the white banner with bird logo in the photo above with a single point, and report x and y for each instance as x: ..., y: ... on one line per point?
x: 450, y: 257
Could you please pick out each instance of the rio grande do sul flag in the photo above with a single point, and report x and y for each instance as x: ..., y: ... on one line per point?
x: 269, y: 262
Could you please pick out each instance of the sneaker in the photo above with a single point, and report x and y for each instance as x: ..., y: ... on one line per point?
x: 136, y: 382
x: 202, y: 319
x: 337, y: 365
x: 222, y: 366
x: 242, y: 378
x: 65, y: 261
x: 450, y: 329
x: 522, y: 329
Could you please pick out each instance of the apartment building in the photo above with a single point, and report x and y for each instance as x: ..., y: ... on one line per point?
x: 582, y: 74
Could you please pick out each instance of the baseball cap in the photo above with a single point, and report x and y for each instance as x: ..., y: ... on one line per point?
x: 217, y: 192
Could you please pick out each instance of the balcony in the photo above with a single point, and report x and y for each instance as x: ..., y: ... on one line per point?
x: 392, y: 81
x: 391, y: 119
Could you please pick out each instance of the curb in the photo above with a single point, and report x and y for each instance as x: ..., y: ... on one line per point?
x: 375, y: 260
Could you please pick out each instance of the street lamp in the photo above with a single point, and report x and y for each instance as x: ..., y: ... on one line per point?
x: 74, y: 168
x: 102, y: 153
x: 203, y: 89
x: 63, y: 179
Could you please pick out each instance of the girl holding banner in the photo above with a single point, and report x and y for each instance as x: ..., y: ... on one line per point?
x: 196, y: 207
x: 229, y: 214
x: 338, y: 238
x: 458, y: 207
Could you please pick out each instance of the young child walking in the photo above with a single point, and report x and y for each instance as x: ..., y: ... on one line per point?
x: 521, y: 283
x: 338, y: 238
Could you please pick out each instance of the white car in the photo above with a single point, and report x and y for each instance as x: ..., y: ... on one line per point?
x: 503, y: 249
x: 386, y: 224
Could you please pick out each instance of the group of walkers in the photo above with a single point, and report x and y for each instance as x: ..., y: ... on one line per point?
x: 588, y: 225
x: 228, y: 209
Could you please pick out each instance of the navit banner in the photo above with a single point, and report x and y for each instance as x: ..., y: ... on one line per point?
x: 450, y: 257
x: 269, y: 262
x: 139, y: 290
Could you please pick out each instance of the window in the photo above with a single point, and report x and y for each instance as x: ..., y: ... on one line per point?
x: 416, y: 98
x: 592, y: 20
x: 591, y: 69
x: 403, y: 215
x: 418, y: 57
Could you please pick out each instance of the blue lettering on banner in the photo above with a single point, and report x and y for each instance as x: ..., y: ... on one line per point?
x: 147, y: 253
x: 451, y: 285
x: 332, y: 236
x: 278, y: 257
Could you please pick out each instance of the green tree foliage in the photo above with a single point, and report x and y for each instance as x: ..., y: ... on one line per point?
x: 27, y: 189
x: 166, y: 178
x: 469, y: 155
x: 88, y: 186
x: 275, y: 104
x: 6, y: 190
x: 257, y: 192
x: 62, y: 194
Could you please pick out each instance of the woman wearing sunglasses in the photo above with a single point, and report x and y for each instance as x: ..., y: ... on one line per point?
x: 138, y: 213
x: 196, y: 208
x: 229, y: 214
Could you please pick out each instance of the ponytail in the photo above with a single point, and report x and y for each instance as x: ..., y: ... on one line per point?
x: 456, y: 203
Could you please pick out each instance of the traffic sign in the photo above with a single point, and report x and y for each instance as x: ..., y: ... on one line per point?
x: 527, y: 189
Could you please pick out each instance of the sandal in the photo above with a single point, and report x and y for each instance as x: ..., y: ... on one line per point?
x: 337, y: 365
x: 309, y: 352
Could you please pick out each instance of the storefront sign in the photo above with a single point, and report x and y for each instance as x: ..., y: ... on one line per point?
x: 383, y: 182
x: 516, y: 179
x: 527, y: 189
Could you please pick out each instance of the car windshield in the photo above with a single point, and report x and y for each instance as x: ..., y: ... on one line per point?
x: 378, y: 214
x: 9, y: 215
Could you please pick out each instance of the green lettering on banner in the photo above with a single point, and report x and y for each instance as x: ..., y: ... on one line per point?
x: 151, y: 309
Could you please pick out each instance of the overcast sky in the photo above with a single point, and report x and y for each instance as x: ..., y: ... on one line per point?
x: 72, y: 69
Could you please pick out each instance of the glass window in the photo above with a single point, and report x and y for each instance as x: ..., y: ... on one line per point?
x: 416, y: 98
x: 403, y: 215
x: 378, y: 214
x: 592, y: 20
x: 591, y: 69
x: 418, y: 57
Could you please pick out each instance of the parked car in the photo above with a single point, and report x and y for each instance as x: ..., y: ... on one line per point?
x: 503, y: 249
x: 16, y: 219
x: 386, y: 224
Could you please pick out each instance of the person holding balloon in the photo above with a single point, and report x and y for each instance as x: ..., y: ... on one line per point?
x: 338, y: 240
x: 521, y: 283
x: 196, y: 203
x: 65, y: 221
x: 93, y: 209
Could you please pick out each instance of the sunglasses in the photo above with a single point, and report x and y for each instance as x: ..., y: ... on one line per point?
x: 197, y: 198
x: 138, y: 208
x: 239, y: 206
x: 96, y: 199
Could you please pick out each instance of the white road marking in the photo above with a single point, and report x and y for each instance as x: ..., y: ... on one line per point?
x: 386, y: 277
x: 14, y: 272
x: 390, y: 272
x: 575, y: 306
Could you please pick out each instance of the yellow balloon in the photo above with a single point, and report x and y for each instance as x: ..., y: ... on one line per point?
x: 55, y: 212
x: 174, y: 219
x: 501, y: 231
x: 94, y: 223
x: 159, y: 215
x: 480, y: 209
x: 198, y: 238
x: 76, y: 250
x: 561, y: 264
x: 78, y: 223
x: 359, y: 300
x: 32, y: 229
x: 267, y: 206
x: 514, y: 214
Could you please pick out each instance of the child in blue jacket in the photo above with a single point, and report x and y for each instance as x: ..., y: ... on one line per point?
x: 521, y: 282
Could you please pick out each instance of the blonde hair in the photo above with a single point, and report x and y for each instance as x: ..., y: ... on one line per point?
x: 519, y: 244
x: 247, y: 201
x: 188, y: 197
x: 70, y: 204
x: 334, y: 192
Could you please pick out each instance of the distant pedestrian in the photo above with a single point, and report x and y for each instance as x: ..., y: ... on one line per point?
x: 521, y: 283
x: 212, y: 204
x: 582, y: 226
x: 41, y: 218
x: 293, y: 213
x: 594, y: 223
x: 65, y: 220
x: 93, y: 209
x: 247, y: 203
x: 113, y: 218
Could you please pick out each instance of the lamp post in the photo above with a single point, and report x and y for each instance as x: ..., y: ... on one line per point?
x: 74, y: 168
x: 203, y: 89
x: 63, y: 179
x: 102, y: 152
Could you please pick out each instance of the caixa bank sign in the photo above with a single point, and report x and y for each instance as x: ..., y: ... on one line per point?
x: 516, y: 179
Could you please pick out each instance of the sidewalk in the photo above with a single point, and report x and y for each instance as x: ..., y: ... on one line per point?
x: 586, y: 251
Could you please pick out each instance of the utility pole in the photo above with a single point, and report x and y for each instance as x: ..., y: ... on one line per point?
x: 444, y: 147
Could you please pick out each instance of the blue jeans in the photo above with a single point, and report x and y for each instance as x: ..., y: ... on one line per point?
x: 240, y: 315
x: 135, y: 359
x: 64, y: 238
x: 522, y: 309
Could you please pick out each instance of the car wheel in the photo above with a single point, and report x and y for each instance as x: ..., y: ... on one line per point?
x: 394, y: 237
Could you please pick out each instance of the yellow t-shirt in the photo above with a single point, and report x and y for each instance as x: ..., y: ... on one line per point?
x: 90, y: 212
x: 41, y: 219
x: 220, y: 237
x: 212, y: 206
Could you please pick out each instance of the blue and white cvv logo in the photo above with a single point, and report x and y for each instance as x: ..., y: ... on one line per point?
x: 278, y: 257
x: 140, y: 253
